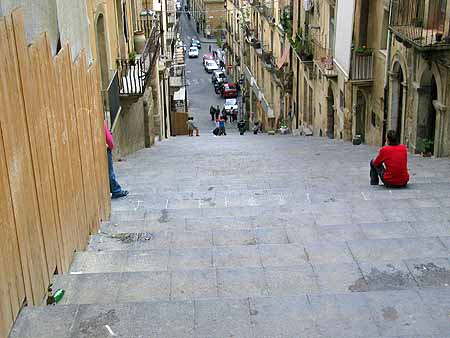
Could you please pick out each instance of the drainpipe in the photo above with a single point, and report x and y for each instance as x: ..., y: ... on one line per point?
x: 386, y: 75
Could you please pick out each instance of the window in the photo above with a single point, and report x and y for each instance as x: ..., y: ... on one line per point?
x: 384, y: 30
x: 373, y: 119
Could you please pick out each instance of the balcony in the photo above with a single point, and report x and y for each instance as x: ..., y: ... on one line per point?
x: 134, y: 74
x: 323, y: 59
x: 362, y: 66
x: 422, y: 24
x: 267, y: 59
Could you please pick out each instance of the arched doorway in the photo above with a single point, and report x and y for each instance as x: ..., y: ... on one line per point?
x: 360, y: 115
x: 102, y: 58
x: 330, y: 113
x: 120, y: 28
x: 398, y: 100
x: 426, y: 113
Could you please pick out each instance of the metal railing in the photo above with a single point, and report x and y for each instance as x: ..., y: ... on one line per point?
x: 323, y: 58
x: 133, y: 75
x: 421, y: 23
x: 113, y: 94
x: 362, y: 66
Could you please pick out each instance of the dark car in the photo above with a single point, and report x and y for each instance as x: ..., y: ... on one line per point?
x: 229, y: 90
x: 218, y: 76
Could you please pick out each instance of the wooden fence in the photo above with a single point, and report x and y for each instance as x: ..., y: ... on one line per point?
x: 53, y: 167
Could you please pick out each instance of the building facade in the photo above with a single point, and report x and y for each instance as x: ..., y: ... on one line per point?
x: 209, y: 16
x: 330, y: 69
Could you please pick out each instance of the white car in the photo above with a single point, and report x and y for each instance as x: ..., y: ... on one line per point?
x: 211, y: 66
x: 193, y: 52
x: 230, y: 105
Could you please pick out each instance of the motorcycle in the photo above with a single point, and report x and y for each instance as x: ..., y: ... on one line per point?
x: 217, y: 88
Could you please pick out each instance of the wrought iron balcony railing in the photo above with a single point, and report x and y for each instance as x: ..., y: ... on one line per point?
x: 421, y: 23
x: 362, y: 66
x: 133, y: 75
x: 323, y: 59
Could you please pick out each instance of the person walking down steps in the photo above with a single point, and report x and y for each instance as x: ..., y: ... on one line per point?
x: 192, y: 127
x: 114, y: 187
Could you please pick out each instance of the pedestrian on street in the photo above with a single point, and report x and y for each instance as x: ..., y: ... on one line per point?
x: 192, y: 127
x: 217, y: 113
x: 212, y: 112
x: 209, y: 47
x: 391, y: 164
x: 222, y: 130
x: 114, y: 187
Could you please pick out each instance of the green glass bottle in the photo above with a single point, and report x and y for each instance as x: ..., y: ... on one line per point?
x: 58, y: 295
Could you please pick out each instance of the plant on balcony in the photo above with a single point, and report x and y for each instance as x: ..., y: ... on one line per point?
x: 132, y: 58
x: 286, y: 21
x: 363, y: 50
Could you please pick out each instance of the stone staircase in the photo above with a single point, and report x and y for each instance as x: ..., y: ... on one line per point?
x: 260, y: 236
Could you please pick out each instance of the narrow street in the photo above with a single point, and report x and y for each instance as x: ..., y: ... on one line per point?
x: 259, y: 236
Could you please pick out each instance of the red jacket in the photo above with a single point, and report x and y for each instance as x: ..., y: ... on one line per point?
x: 395, y: 159
x: 109, y: 138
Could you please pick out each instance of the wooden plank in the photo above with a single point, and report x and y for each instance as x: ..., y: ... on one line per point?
x: 58, y: 130
x: 86, y: 146
x: 20, y: 169
x: 72, y: 95
x: 12, y: 288
x: 98, y: 145
x: 34, y: 93
x: 99, y: 137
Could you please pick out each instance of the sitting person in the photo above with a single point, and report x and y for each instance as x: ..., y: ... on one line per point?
x: 192, y: 127
x: 391, y: 164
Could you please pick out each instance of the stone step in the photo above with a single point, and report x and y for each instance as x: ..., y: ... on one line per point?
x: 137, y: 276
x: 151, y: 237
x: 408, y: 313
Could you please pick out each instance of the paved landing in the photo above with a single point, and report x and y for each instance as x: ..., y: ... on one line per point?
x: 261, y: 236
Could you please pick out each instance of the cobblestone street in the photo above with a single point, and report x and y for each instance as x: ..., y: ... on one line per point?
x: 261, y: 236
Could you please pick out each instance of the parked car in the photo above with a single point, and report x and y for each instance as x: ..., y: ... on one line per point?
x: 193, y: 52
x: 207, y: 56
x: 218, y: 76
x: 229, y: 90
x: 230, y: 104
x: 196, y: 43
x: 211, y: 66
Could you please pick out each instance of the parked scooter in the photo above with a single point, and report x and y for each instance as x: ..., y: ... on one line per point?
x: 256, y: 128
x: 241, y: 127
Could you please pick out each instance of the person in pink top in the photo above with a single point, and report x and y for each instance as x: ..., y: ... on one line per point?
x: 114, y: 186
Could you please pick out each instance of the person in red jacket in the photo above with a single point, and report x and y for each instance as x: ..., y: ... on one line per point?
x: 114, y: 186
x: 391, y: 164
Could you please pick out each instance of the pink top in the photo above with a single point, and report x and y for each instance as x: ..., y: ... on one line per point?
x: 109, y: 138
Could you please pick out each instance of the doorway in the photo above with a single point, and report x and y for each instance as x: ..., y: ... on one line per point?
x: 397, y: 100
x: 330, y: 113
x: 360, y: 115
x: 102, y: 58
x: 426, y: 114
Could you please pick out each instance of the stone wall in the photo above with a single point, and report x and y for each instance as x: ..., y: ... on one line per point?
x: 133, y: 128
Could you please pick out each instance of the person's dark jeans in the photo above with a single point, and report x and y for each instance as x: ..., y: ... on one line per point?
x: 376, y: 173
x: 114, y: 186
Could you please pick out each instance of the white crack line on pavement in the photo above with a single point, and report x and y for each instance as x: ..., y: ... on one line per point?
x: 364, y: 196
x: 167, y: 203
x: 308, y: 198
x: 111, y: 332
x: 200, y: 203
x: 138, y: 204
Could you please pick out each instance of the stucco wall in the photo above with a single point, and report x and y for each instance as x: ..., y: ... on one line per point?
x: 40, y: 16
x: 60, y: 18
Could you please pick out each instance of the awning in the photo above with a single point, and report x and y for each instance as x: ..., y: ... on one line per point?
x: 284, y: 57
x: 180, y: 95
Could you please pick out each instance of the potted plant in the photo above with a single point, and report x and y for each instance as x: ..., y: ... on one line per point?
x: 428, y: 146
x: 132, y: 58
